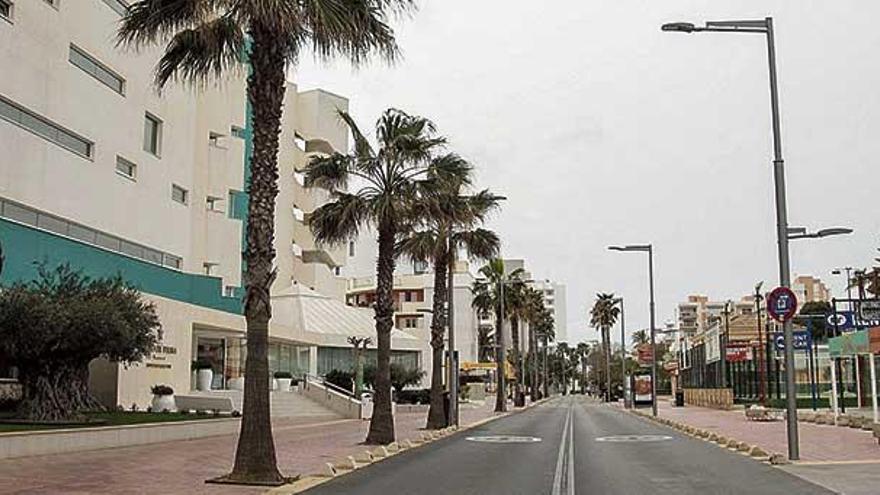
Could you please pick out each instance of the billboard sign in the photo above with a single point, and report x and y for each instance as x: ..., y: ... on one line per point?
x: 738, y: 353
x: 642, y: 388
x: 802, y: 340
x: 869, y: 310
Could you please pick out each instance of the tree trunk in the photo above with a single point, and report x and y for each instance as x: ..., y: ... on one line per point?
x: 437, y: 413
x: 607, y: 332
x: 545, y: 381
x: 533, y: 365
x: 500, y: 362
x: 382, y: 423
x: 517, y: 363
x: 255, y: 456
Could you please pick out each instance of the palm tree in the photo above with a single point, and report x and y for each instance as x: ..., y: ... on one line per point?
x: 545, y: 333
x: 206, y: 39
x: 448, y: 223
x: 534, y: 312
x: 487, y: 297
x: 583, y: 351
x: 516, y: 306
x: 640, y: 337
x: 603, y: 316
x: 389, y: 187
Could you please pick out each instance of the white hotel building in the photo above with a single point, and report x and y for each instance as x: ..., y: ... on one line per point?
x: 100, y: 171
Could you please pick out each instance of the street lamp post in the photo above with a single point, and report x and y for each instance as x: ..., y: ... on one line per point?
x: 648, y: 248
x: 622, y: 351
x: 765, y: 27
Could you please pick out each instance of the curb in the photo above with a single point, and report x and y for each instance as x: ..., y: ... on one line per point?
x: 352, y: 463
x: 751, y: 451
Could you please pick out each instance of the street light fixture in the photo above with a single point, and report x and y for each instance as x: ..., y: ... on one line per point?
x: 801, y: 232
x: 765, y: 27
x: 647, y: 248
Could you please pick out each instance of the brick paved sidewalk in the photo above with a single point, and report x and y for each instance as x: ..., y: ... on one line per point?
x: 818, y: 443
x: 303, y: 447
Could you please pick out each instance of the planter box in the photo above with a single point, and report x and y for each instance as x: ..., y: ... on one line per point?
x: 44, y: 442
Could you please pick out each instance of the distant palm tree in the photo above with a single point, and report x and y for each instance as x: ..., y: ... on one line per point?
x: 447, y: 221
x: 517, y: 309
x: 544, y: 332
x: 583, y: 351
x: 603, y: 316
x: 487, y: 298
x: 388, y: 188
x: 207, y: 39
x: 534, y: 312
x: 640, y: 337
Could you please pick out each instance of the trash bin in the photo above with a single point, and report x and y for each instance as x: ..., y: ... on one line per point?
x: 679, y: 398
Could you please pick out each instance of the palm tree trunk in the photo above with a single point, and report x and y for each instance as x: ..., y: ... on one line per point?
x: 255, y: 455
x: 546, y: 379
x: 607, y: 331
x: 517, y: 362
x: 382, y: 423
x: 500, y: 362
x: 533, y: 363
x: 436, y: 412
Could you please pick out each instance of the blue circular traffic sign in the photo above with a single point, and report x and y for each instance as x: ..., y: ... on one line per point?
x: 781, y: 304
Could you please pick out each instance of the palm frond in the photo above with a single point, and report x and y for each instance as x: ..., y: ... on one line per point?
x: 152, y: 21
x: 478, y: 243
x: 423, y: 245
x: 341, y: 219
x: 362, y: 147
x: 207, y: 50
x: 330, y: 172
x: 354, y: 29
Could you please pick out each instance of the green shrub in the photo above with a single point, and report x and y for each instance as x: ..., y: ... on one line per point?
x: 283, y: 374
x: 414, y: 396
x: 342, y: 379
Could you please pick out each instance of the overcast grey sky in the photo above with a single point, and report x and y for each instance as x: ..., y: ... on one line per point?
x: 600, y: 129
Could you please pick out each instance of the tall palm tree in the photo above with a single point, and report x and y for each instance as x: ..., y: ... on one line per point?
x: 583, y: 351
x: 388, y: 188
x: 534, y: 312
x: 487, y: 297
x: 448, y: 223
x: 603, y: 316
x: 517, y: 309
x: 206, y: 39
x: 544, y: 332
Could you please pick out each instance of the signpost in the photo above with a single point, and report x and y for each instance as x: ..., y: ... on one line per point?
x: 781, y: 304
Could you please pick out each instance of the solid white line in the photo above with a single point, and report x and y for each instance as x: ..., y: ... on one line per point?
x: 557, y: 479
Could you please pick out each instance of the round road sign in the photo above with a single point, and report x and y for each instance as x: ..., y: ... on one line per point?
x: 781, y: 304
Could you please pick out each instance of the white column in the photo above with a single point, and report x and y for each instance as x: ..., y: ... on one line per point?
x: 858, y: 381
x: 873, y: 386
x: 833, y: 362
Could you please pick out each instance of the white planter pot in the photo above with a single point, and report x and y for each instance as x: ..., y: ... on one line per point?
x: 204, y: 380
x: 284, y: 384
x: 274, y: 384
x: 236, y: 383
x: 163, y: 403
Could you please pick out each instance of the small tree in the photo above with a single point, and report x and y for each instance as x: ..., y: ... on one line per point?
x: 359, y: 346
x: 53, y: 327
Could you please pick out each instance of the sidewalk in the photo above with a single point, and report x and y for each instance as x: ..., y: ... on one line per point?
x: 303, y: 447
x: 818, y: 443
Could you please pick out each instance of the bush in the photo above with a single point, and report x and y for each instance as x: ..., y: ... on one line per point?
x: 162, y: 390
x: 283, y: 374
x: 342, y: 379
x: 201, y: 364
x: 401, y: 376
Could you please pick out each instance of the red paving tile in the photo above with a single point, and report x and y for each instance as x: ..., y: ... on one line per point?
x: 817, y: 442
x: 303, y: 447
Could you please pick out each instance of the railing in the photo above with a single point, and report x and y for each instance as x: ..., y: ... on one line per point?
x: 334, y: 397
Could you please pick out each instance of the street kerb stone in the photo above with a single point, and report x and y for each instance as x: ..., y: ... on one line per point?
x: 364, y: 457
x: 427, y: 436
x: 393, y: 447
x: 732, y: 444
x: 713, y: 437
x: 330, y: 471
x: 743, y: 447
x: 756, y: 451
x: 778, y: 459
x: 380, y: 452
x: 722, y: 440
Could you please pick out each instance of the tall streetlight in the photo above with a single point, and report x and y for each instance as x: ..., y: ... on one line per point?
x: 848, y: 270
x: 765, y: 27
x: 648, y: 248
x: 619, y: 300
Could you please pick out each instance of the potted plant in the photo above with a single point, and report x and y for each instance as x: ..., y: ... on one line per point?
x: 163, y: 399
x: 284, y: 379
x: 204, y: 374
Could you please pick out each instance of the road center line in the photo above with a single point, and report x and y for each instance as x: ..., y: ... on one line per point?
x: 561, y: 464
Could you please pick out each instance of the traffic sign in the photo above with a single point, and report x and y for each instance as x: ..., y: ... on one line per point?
x: 842, y: 320
x: 869, y: 310
x: 781, y: 304
x: 802, y: 340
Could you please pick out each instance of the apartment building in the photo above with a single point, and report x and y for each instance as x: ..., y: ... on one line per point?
x: 808, y: 288
x: 101, y: 171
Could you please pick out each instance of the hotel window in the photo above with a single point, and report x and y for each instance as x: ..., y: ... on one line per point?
x: 45, y: 128
x: 237, y: 132
x: 407, y: 296
x: 351, y: 248
x: 118, y: 6
x: 152, y: 134
x: 216, y: 139
x: 209, y: 267
x: 179, y: 194
x: 6, y: 9
x: 126, y: 168
x: 420, y: 267
x: 229, y: 291
x: 99, y: 71
x: 172, y: 261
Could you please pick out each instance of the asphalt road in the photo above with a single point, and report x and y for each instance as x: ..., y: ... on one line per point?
x: 612, y: 452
